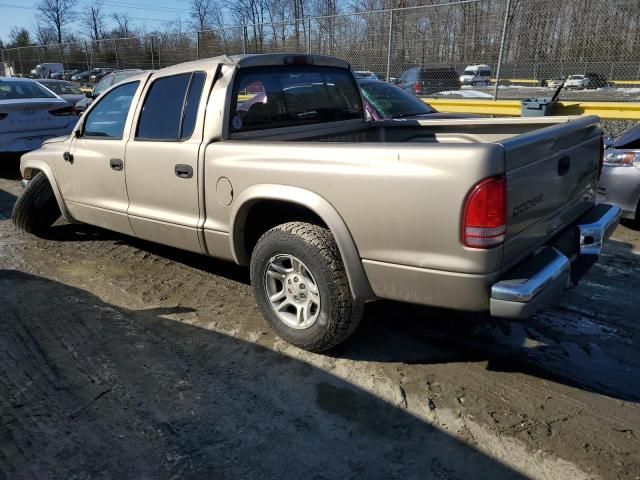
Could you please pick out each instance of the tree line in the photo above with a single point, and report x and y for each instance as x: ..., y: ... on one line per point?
x: 538, y: 32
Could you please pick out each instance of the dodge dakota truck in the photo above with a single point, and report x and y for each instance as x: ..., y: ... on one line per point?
x: 267, y: 161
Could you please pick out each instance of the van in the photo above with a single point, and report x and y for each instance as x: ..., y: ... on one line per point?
x: 46, y: 69
x: 476, y: 74
x: 428, y: 80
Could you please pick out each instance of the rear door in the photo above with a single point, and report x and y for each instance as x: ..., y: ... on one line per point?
x: 162, y: 160
x: 551, y: 179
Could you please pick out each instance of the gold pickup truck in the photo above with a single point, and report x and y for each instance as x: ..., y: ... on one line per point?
x: 268, y: 161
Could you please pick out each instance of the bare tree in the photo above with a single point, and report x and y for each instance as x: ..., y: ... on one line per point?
x: 123, y: 22
x: 44, y: 34
x: 201, y: 11
x: 57, y: 14
x: 94, y: 22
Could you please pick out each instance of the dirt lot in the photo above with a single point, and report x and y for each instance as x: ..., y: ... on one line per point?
x: 121, y: 359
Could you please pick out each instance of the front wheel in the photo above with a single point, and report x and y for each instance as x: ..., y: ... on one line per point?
x: 36, y: 209
x: 301, y: 286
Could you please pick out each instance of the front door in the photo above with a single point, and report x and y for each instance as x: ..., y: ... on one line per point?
x: 162, y: 161
x: 91, y: 174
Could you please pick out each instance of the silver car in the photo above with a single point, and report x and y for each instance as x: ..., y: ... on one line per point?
x: 620, y: 179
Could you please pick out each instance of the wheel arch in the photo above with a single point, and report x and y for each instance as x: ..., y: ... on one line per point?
x: 317, y: 206
x: 29, y: 168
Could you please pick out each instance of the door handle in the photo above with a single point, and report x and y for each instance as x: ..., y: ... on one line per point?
x: 67, y: 157
x: 184, y: 171
x: 116, y: 164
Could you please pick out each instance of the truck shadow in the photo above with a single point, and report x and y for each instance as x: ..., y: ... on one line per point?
x: 93, y: 390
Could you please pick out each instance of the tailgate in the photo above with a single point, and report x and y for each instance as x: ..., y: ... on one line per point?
x: 551, y: 179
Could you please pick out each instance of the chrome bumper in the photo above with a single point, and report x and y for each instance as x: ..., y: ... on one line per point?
x: 537, y: 281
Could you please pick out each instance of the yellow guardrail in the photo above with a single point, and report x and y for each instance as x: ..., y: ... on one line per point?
x: 605, y: 110
x: 531, y: 80
x: 86, y: 89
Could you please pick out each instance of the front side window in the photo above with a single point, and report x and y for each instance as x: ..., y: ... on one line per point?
x: 107, y: 119
x: 273, y: 97
x: 102, y: 85
x: 170, y: 107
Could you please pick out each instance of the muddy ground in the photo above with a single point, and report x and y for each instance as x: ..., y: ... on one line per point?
x: 122, y: 359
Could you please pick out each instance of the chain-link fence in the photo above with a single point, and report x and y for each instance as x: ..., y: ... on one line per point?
x: 513, y: 46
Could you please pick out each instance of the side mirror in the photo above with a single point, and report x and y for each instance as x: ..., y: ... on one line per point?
x: 89, y: 94
x: 608, y: 142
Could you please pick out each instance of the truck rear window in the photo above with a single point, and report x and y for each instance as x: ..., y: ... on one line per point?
x: 275, y: 97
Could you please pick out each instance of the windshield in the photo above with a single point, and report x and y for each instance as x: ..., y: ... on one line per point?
x: 17, y: 89
x: 63, y: 88
x: 287, y: 96
x: 469, y: 72
x: 393, y: 102
x: 576, y: 77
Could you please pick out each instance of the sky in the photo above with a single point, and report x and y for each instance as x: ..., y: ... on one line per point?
x: 152, y: 14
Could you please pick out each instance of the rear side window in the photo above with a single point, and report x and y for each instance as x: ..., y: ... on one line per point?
x: 287, y: 96
x: 170, y: 108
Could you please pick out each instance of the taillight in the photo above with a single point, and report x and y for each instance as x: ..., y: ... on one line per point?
x: 484, y: 219
x: 63, y: 112
x: 601, y: 159
x: 3, y: 115
x: 417, y: 88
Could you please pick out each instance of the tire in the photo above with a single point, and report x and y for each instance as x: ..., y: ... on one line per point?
x: 337, y: 313
x: 36, y: 209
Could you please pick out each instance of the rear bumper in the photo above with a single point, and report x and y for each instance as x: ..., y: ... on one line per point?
x: 620, y: 186
x: 31, y: 140
x: 534, y: 283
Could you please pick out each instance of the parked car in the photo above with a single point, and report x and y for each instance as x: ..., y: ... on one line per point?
x: 553, y: 82
x: 30, y: 114
x: 106, y: 82
x: 620, y: 179
x: 480, y: 215
x: 65, y: 90
x: 476, y: 75
x: 81, y: 76
x: 45, y: 70
x: 385, y: 101
x: 368, y: 74
x: 67, y: 74
x: 428, y: 80
x: 588, y: 80
x: 98, y: 74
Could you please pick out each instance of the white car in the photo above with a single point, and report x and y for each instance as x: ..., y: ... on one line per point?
x: 476, y: 75
x: 30, y: 114
x: 576, y: 81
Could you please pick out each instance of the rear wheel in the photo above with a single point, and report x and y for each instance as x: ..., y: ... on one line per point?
x: 301, y: 286
x: 36, y: 209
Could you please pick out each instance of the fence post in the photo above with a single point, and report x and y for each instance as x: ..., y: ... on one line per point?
x: 38, y: 50
x: 198, y: 45
x: 244, y: 39
x: 504, y: 34
x: 309, y: 35
x: 153, y: 62
x: 20, y: 62
x: 389, y: 45
x: 86, y: 54
x: 115, y: 47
